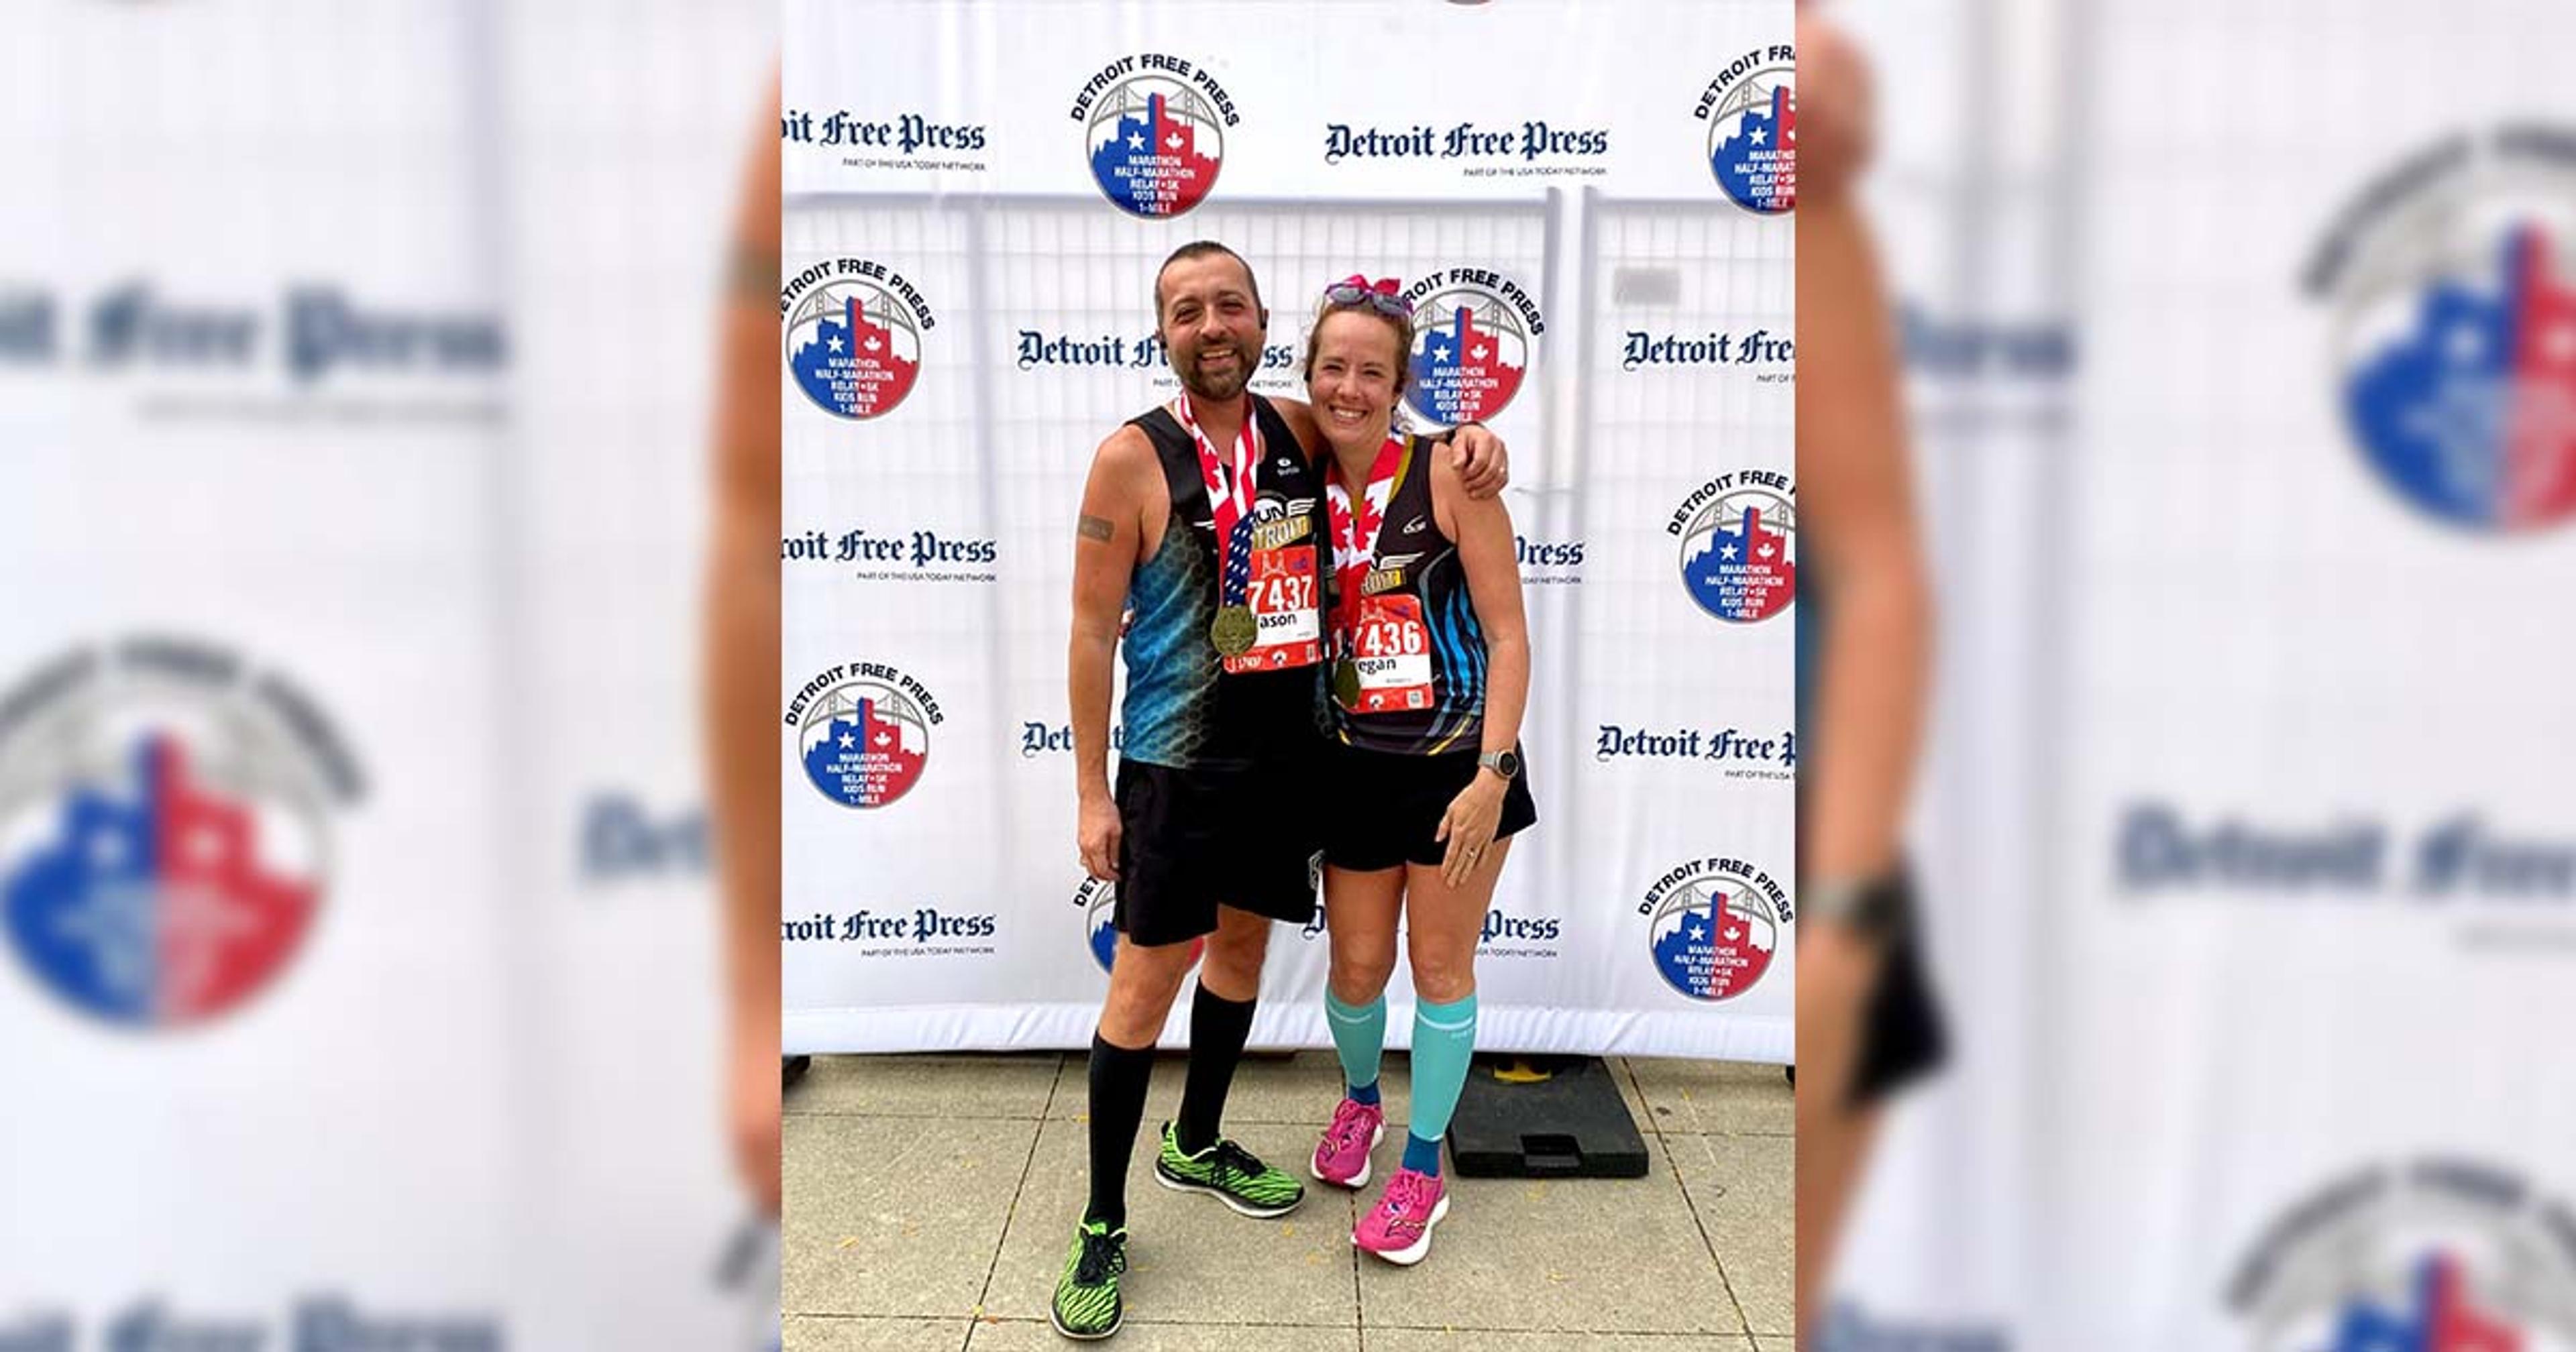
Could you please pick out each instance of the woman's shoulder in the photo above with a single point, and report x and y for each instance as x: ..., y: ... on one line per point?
x: 1442, y: 457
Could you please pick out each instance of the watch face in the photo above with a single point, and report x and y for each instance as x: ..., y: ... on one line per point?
x: 1508, y: 764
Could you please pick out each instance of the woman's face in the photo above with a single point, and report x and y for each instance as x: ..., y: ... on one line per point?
x: 1352, y: 386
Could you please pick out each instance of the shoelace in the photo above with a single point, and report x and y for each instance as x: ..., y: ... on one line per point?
x: 1348, y: 1126
x: 1236, y: 1160
x: 1102, y: 1256
x: 1400, y: 1192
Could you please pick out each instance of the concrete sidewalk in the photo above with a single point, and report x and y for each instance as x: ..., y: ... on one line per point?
x: 930, y: 1199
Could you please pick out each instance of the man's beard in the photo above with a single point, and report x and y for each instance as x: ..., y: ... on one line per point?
x: 1219, y: 387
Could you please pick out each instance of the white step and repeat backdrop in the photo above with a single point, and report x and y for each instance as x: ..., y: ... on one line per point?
x: 1588, y: 207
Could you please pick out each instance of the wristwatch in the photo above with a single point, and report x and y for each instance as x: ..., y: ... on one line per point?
x: 1878, y: 907
x: 1504, y: 763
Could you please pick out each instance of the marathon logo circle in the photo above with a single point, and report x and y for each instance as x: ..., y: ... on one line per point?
x: 1154, y: 128
x: 853, y: 336
x: 2435, y: 1253
x: 1098, y: 900
x: 1739, y: 536
x: 165, y: 827
x: 2453, y: 327
x: 1472, y: 343
x: 1714, y: 925
x: 1751, y: 109
x: 863, y: 732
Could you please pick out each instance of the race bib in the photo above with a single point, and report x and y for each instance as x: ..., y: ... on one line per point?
x: 1390, y: 657
x: 1289, y: 630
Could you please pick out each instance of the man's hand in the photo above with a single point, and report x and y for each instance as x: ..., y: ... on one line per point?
x: 1483, y: 466
x: 1099, y: 832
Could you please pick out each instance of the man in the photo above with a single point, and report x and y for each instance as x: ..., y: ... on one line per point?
x: 1866, y: 1021
x: 1201, y: 520
x: 741, y: 668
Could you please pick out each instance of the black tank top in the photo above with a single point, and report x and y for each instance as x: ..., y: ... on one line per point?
x: 1182, y: 709
x: 1409, y: 668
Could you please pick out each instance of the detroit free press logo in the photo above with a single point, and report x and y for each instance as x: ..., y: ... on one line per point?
x: 863, y: 732
x: 1751, y: 109
x: 1713, y: 926
x: 1473, y: 338
x: 2435, y: 1254
x: 1739, y: 544
x: 166, y: 833
x: 1154, y: 130
x: 2452, y: 320
x: 853, y: 330
x: 1097, y: 898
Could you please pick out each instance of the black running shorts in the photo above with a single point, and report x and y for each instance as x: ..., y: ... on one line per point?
x: 1386, y: 809
x: 1192, y: 840
x: 1903, y: 1038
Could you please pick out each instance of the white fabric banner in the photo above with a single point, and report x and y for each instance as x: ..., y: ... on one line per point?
x: 2244, y: 832
x: 348, y: 726
x: 981, y: 229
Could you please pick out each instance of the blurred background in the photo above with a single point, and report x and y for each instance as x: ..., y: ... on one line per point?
x: 2236, y: 346
x: 354, y: 377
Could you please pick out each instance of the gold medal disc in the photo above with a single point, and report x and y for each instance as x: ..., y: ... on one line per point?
x: 1346, y: 683
x: 1234, y: 631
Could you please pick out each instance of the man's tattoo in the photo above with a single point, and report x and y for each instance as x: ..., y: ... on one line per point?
x: 1095, y: 528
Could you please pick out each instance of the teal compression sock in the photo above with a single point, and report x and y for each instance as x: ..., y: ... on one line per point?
x: 1444, y: 1037
x: 1359, y: 1036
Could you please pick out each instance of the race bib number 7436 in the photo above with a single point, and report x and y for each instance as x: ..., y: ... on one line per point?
x: 1392, y: 650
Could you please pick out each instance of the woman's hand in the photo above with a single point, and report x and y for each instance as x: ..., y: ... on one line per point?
x: 1468, y: 826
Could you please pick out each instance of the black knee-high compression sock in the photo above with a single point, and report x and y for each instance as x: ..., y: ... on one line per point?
x: 1119, y: 1078
x: 1218, y: 1027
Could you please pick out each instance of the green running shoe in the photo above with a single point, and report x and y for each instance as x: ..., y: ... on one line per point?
x: 1086, y: 1296
x: 1230, y: 1174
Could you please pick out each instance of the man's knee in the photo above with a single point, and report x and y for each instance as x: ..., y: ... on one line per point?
x: 1232, y: 967
x: 1142, y: 985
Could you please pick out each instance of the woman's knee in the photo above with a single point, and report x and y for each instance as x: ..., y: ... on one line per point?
x: 1443, y: 978
x: 1358, y: 978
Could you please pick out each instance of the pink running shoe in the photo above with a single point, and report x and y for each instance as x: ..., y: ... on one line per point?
x: 1342, y: 1157
x: 1398, y: 1228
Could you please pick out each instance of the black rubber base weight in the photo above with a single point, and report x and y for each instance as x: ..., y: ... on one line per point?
x: 1543, y: 1117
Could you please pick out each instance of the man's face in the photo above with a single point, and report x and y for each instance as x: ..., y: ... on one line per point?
x: 1212, y: 331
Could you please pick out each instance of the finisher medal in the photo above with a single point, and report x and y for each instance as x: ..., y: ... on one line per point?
x: 1234, y: 631
x: 1346, y: 683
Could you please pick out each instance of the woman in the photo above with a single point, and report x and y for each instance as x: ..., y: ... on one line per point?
x: 1430, y: 671
x: 1868, y: 1023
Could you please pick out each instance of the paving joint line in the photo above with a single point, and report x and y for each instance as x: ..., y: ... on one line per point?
x: 1689, y: 1203
x: 1706, y: 1240
x: 1010, y: 1214
x: 1359, y: 1302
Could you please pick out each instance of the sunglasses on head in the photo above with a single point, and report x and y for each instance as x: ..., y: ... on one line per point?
x: 1379, y: 295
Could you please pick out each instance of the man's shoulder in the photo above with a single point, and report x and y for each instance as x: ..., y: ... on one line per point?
x: 1128, y: 455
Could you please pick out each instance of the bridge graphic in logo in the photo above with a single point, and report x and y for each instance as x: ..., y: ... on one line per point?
x: 1156, y: 146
